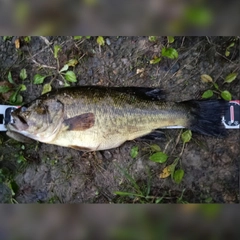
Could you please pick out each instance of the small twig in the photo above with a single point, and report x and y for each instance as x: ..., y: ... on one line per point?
x: 166, y: 146
x: 182, y: 150
x: 53, y: 79
x: 225, y: 57
x: 32, y: 56
x: 43, y: 66
x: 208, y: 40
x: 78, y: 43
x: 81, y: 56
x: 235, y: 70
x: 45, y: 40
x: 182, y: 41
x: 177, y: 141
x: 58, y: 65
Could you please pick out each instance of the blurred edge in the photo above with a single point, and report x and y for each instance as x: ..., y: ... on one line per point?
x: 113, y: 17
x: 119, y: 222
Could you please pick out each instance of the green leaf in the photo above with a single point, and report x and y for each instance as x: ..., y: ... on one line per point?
x: 87, y: 37
x: 64, y: 68
x: 186, y: 136
x: 4, y: 89
x: 134, y: 152
x: 23, y: 74
x: 206, y: 78
x: 207, y: 94
x: 159, y: 199
x: 13, y: 97
x: 178, y: 175
x: 155, y: 148
x: 129, y: 194
x: 160, y: 157
x: 226, y: 95
x: 227, y: 53
x: 198, y: 16
x: 14, y: 187
x: 70, y: 76
x: 46, y: 88
x: 152, y: 38
x: 77, y: 37
x: 10, y: 78
x: 216, y: 85
x: 231, y: 45
x: 66, y: 84
x: 174, y: 166
x: 230, y: 77
x: 16, y: 98
x: 100, y: 41
x: 19, y: 99
x: 170, y: 39
x: 27, y: 39
x: 21, y: 159
x: 169, y: 53
x: 5, y: 38
x: 38, y: 79
x: 72, y: 62
x: 208, y: 200
x: 155, y: 60
x: 57, y: 48
x: 22, y: 87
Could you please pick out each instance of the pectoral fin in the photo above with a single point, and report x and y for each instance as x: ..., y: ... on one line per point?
x: 80, y: 123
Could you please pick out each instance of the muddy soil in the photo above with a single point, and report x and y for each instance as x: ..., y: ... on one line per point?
x: 43, y: 173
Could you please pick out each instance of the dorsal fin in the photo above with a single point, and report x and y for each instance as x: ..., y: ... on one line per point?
x: 153, y: 94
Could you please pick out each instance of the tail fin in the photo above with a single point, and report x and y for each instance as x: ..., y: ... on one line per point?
x: 206, y: 116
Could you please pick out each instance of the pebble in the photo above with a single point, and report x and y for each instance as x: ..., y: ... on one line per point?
x: 124, y: 60
x: 95, y: 80
x: 82, y: 82
x: 90, y: 72
x: 108, y: 41
x: 28, y: 176
x: 107, y: 155
x: 225, y: 158
x: 175, y: 68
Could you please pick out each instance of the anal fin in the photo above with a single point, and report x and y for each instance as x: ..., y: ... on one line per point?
x: 80, y: 148
x: 153, y: 136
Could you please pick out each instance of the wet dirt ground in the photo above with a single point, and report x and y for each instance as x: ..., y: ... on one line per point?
x: 43, y: 173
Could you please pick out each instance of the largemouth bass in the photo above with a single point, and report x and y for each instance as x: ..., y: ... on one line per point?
x: 98, y: 118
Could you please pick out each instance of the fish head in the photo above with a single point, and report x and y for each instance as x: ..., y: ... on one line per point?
x: 39, y: 120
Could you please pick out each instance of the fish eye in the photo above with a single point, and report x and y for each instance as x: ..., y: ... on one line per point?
x: 23, y: 109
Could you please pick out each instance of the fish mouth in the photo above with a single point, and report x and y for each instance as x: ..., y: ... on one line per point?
x: 19, y: 123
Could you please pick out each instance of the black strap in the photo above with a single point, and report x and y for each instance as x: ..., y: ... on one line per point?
x: 8, y: 111
x: 1, y: 118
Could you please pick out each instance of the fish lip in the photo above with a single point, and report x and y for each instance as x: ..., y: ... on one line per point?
x: 12, y: 127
